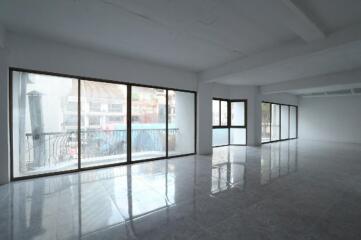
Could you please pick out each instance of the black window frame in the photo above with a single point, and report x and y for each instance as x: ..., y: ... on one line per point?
x: 229, y: 125
x: 280, y: 121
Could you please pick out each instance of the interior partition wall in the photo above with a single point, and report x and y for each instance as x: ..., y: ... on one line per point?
x: 61, y: 123
x: 229, y: 122
x: 279, y: 122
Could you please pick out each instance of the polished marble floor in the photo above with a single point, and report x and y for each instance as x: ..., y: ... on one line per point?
x: 288, y: 190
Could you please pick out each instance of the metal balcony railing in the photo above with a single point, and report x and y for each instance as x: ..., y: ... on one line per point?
x: 51, y: 149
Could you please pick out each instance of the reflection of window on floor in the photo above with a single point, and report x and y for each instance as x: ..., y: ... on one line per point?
x: 120, y: 197
x: 226, y: 176
x: 228, y: 168
x: 278, y: 160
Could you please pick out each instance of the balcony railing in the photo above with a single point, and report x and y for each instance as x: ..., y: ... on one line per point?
x: 57, y: 149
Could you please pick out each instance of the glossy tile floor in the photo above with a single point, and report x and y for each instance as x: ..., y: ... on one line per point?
x: 288, y: 190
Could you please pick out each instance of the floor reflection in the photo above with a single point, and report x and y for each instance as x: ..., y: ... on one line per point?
x: 228, y: 168
x: 130, y: 201
x: 278, y: 160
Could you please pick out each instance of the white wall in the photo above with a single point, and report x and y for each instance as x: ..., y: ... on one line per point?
x: 334, y: 119
x: 37, y: 54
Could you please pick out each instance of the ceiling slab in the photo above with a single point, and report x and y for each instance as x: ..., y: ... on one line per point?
x: 300, y: 23
x: 340, y: 51
x: 188, y: 34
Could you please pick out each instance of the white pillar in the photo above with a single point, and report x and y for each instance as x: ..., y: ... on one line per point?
x: 4, y: 116
x: 258, y: 118
x: 204, y: 118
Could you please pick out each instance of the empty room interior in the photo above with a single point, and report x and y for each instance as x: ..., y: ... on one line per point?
x: 180, y: 119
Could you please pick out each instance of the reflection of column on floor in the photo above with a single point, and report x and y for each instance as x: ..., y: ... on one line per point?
x: 252, y: 177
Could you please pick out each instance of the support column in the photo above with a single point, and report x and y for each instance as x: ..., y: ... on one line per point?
x: 204, y: 124
x: 4, y: 116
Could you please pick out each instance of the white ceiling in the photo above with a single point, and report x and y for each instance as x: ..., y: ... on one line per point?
x: 191, y: 34
x: 197, y: 35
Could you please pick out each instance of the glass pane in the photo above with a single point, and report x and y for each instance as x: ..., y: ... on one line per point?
x: 293, y: 122
x: 238, y: 113
x: 215, y: 112
x: 284, y: 122
x: 266, y: 122
x: 148, y: 123
x: 220, y: 136
x: 224, y: 113
x: 275, y: 122
x: 104, y: 124
x: 238, y: 136
x: 181, y: 117
x: 45, y: 135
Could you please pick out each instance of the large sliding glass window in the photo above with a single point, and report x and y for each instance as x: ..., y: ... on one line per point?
x: 104, y: 129
x: 293, y: 122
x: 181, y: 123
x: 284, y: 122
x: 229, y: 122
x: 224, y: 113
x: 44, y: 124
x: 266, y: 122
x: 220, y: 132
x: 148, y: 123
x: 279, y: 122
x: 275, y: 122
x: 220, y: 137
x: 57, y: 119
x: 238, y: 131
